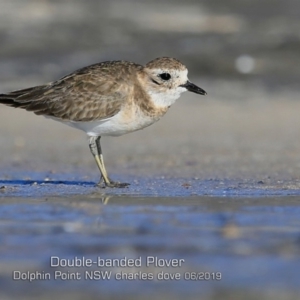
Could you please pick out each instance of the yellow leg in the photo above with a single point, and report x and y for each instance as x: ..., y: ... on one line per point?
x: 102, y: 169
x: 95, y: 148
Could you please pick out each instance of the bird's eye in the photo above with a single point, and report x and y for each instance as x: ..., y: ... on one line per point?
x: 165, y: 76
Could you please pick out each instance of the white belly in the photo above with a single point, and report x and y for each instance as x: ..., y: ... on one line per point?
x: 114, y: 126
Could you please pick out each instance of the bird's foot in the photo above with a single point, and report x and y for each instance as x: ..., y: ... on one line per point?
x: 112, y: 184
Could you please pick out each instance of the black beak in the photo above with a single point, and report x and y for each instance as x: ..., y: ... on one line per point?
x: 193, y: 88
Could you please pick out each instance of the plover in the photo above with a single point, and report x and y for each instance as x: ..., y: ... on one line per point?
x: 108, y: 99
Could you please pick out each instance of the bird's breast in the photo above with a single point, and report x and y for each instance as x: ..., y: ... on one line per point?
x: 130, y: 118
x: 134, y: 117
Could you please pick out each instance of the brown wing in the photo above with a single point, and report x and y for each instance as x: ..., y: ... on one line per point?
x: 93, y: 93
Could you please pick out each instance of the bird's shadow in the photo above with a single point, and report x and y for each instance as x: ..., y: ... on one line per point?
x: 46, y: 182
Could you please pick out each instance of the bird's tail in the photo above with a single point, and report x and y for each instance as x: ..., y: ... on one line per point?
x: 21, y: 98
x: 14, y: 99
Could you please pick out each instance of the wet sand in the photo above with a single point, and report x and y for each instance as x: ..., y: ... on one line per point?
x: 251, y: 244
x: 205, y: 187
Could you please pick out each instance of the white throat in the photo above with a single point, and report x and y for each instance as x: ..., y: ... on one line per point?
x: 165, y: 99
